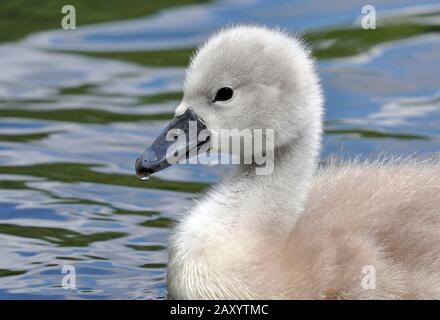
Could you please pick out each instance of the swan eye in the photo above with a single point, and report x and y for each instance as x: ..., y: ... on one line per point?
x: 224, y: 94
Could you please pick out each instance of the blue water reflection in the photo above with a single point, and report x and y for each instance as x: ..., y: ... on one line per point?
x: 72, y: 124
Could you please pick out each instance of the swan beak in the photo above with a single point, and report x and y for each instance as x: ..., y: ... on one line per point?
x: 180, y: 139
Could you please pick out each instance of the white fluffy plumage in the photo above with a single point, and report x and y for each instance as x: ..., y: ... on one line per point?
x: 300, y: 232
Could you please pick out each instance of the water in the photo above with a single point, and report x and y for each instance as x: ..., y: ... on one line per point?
x: 78, y: 107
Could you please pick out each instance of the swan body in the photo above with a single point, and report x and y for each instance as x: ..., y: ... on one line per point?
x: 383, y: 214
x: 300, y: 232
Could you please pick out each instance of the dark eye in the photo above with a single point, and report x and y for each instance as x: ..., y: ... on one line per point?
x: 224, y: 94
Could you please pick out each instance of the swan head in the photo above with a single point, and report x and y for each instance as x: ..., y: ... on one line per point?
x: 245, y: 77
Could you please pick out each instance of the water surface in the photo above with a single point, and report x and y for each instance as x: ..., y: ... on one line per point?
x: 77, y: 107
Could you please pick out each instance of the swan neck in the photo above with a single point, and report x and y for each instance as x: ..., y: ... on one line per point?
x: 283, y: 193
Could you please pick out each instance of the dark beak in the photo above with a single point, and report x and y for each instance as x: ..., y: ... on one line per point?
x: 179, y: 140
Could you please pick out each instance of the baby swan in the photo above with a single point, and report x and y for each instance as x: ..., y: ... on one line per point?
x: 349, y: 231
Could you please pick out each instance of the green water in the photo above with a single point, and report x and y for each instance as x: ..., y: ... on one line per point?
x: 78, y: 106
